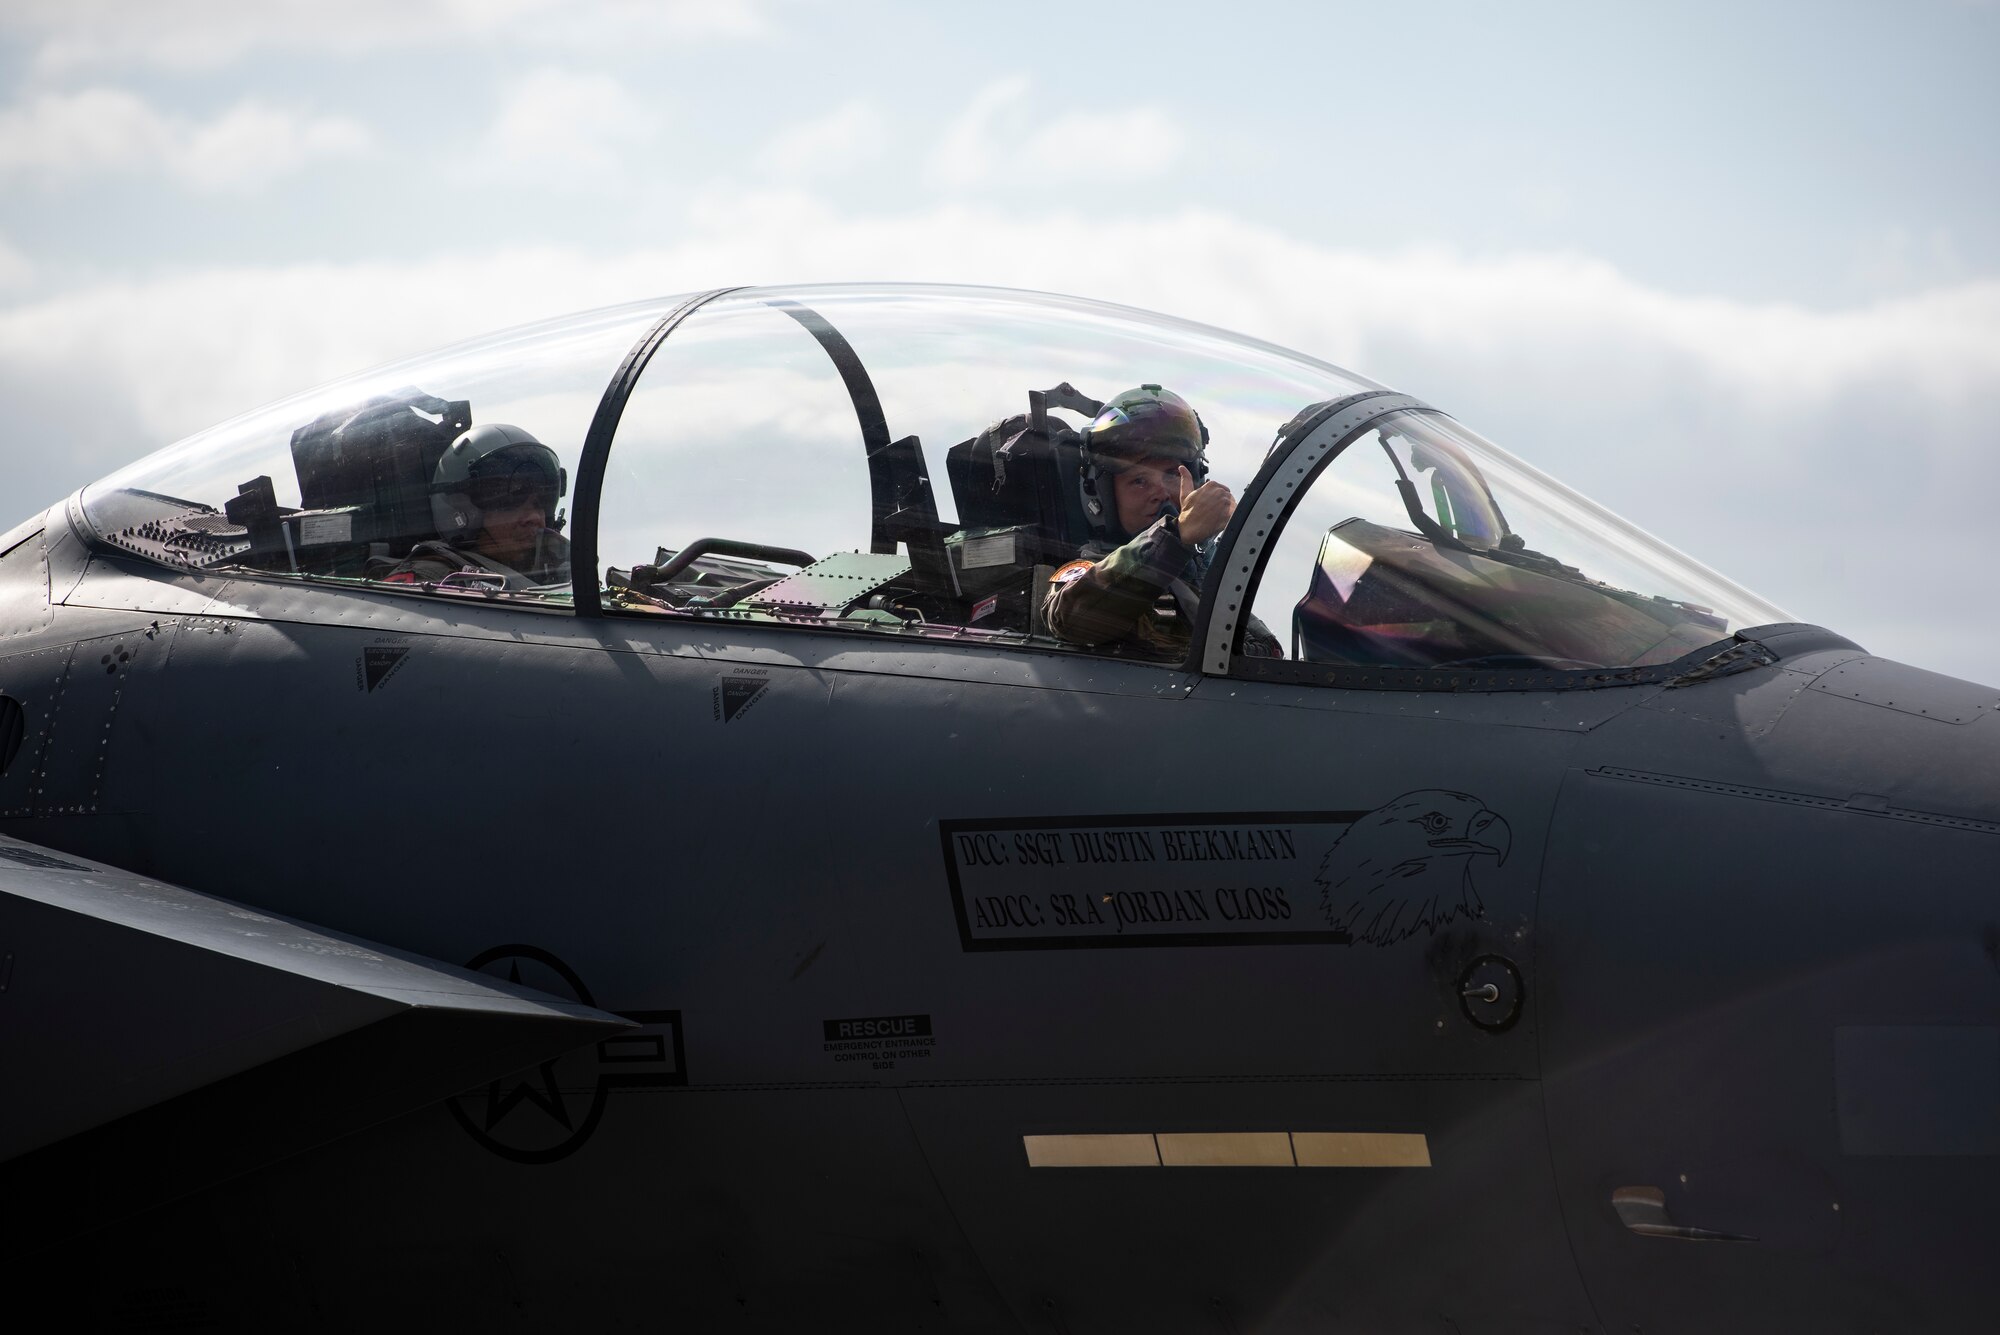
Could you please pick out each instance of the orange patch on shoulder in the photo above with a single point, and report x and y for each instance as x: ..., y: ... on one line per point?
x: 1074, y: 570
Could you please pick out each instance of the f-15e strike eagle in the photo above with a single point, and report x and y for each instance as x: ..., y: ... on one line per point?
x: 721, y: 899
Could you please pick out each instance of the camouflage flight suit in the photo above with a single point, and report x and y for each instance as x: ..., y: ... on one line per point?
x: 1119, y: 598
x: 432, y: 562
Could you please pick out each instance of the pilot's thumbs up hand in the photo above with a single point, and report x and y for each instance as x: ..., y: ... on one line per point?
x: 1205, y: 510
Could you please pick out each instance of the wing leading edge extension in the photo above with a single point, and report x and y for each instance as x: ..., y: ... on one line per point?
x: 155, y: 1038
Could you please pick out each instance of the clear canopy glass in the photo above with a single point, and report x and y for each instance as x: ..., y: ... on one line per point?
x: 352, y: 469
x: 1422, y: 545
x: 912, y: 461
x: 867, y: 421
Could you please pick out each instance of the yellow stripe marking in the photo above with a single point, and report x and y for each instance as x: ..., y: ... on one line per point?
x: 1361, y: 1149
x: 1230, y: 1149
x: 1107, y: 1151
x: 1225, y: 1149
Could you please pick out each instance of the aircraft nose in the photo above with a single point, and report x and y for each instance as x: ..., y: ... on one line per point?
x: 1887, y: 738
x: 1492, y: 833
x: 1788, y: 875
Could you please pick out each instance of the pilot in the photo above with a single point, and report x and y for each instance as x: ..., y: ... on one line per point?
x: 1154, y: 513
x: 493, y: 497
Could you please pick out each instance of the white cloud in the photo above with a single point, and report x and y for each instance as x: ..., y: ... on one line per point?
x: 60, y: 136
x: 15, y: 270
x: 1544, y: 201
x: 851, y: 133
x: 252, y: 142
x: 1003, y: 136
x: 964, y: 156
x: 1137, y: 142
x: 1901, y: 258
x: 567, y: 123
x: 79, y: 35
x: 1819, y: 457
x: 75, y: 133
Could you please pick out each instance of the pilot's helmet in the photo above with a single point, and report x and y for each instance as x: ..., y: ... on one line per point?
x: 1143, y: 423
x: 494, y: 466
x: 1147, y: 422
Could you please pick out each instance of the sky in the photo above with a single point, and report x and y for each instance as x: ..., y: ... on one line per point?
x: 1730, y: 269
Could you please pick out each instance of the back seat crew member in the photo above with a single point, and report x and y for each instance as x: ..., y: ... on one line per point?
x: 1153, y: 512
x: 492, y: 498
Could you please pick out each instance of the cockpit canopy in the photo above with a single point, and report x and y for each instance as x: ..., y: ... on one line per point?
x: 911, y: 461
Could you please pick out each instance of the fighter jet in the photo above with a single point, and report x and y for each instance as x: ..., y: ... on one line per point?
x: 612, y: 825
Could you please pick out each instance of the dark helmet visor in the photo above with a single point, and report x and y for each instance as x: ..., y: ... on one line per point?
x: 515, y: 476
x: 1144, y: 425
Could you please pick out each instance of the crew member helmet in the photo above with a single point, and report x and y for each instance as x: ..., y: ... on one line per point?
x: 494, y: 466
x: 1147, y: 422
x: 1143, y: 423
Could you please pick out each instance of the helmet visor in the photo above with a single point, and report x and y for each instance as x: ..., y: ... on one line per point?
x: 1164, y: 428
x: 518, y: 475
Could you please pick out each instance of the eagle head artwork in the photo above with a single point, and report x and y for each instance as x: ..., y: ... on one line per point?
x: 1406, y: 867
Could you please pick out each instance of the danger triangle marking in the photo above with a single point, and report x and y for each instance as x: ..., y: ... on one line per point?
x: 378, y: 665
x: 737, y: 695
